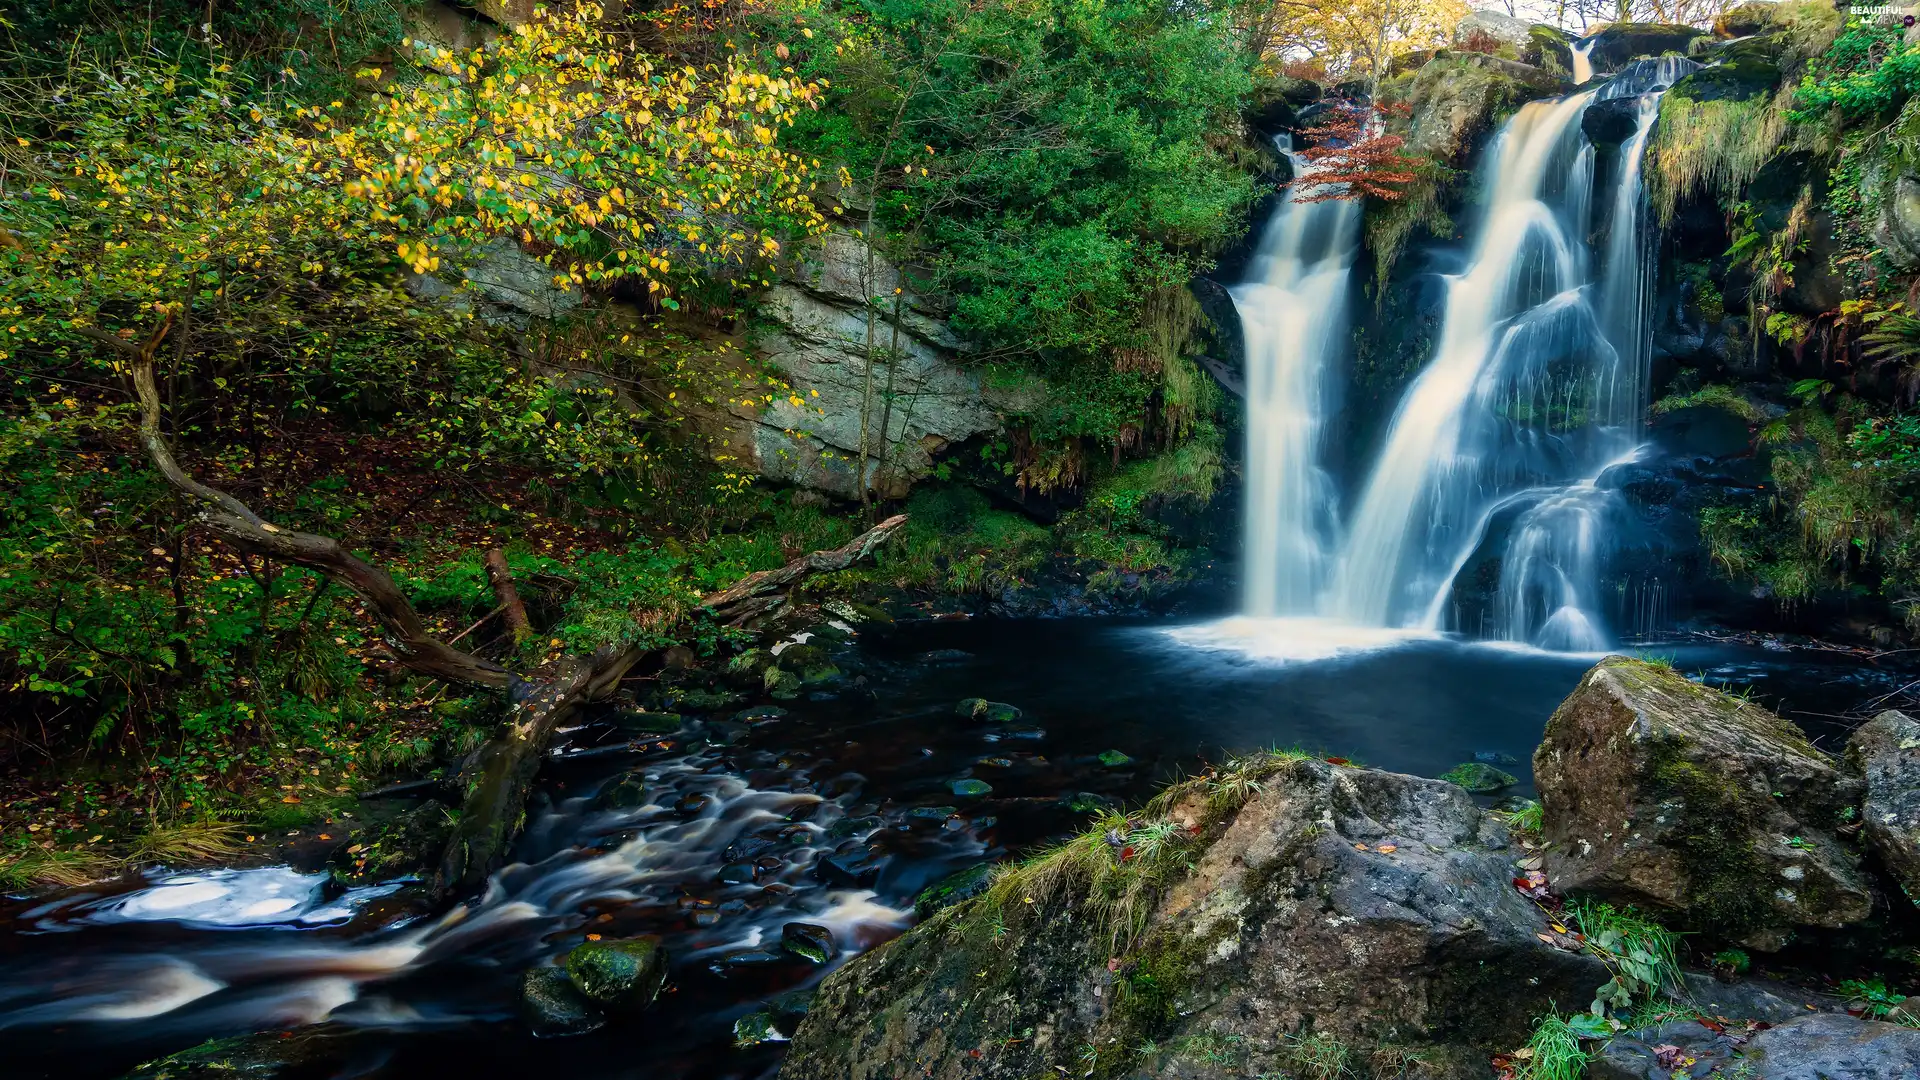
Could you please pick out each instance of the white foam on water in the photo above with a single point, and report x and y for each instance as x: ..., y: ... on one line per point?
x: 164, y: 988
x: 1295, y: 639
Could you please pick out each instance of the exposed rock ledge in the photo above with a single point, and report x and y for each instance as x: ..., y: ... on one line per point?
x: 1338, y: 909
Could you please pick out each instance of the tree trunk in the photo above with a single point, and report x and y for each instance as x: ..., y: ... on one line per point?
x: 508, y: 597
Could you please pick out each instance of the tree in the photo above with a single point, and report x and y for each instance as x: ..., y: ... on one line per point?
x: 1355, y: 157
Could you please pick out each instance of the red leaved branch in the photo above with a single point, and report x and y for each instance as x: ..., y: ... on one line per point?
x: 1353, y: 157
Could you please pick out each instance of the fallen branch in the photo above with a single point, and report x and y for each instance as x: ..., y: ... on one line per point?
x: 516, y: 610
x: 498, y: 776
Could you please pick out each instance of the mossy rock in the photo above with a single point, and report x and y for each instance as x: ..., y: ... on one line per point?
x: 952, y: 889
x: 1681, y: 799
x: 756, y: 1029
x: 1744, y: 71
x: 980, y: 710
x: 695, y: 699
x: 626, y: 792
x: 649, y: 723
x: 553, y: 1006
x: 1479, y: 777
x: 267, y: 1055
x: 623, y: 976
x: 1745, y: 20
x: 404, y: 846
x: 1622, y: 43
x: 1550, y: 49
x: 970, y: 787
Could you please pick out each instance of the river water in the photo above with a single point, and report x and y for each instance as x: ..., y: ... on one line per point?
x: 836, y: 814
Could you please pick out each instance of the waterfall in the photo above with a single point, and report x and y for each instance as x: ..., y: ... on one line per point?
x: 1495, y: 455
x: 1293, y: 315
x: 1582, y: 66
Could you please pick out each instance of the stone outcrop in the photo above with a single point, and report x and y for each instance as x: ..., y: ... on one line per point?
x: 1338, y: 909
x: 1622, y: 43
x: 1497, y: 25
x: 1885, y: 753
x: 910, y: 377
x: 1709, y: 809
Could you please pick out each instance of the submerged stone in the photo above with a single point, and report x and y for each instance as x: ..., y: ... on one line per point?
x: 809, y: 941
x: 857, y: 870
x: 1113, y: 759
x: 790, y: 1008
x: 652, y: 723
x: 1479, y: 777
x: 933, y: 813
x: 552, y: 1006
x: 761, y: 715
x: 756, y: 1029
x: 628, y: 792
x: 692, y: 804
x: 1495, y: 757
x: 737, y: 874
x: 970, y: 787
x: 623, y: 976
x: 980, y: 710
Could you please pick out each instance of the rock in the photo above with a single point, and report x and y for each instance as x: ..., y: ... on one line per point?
x: 987, y: 712
x: 520, y: 283
x: 1677, y: 797
x: 856, y: 870
x: 736, y: 874
x: 817, y: 341
x: 809, y: 941
x: 933, y: 813
x: 698, y: 700
x: 1885, y: 752
x: 1550, y: 49
x: 679, y: 658
x: 1745, y: 20
x: 1622, y: 43
x: 1456, y: 100
x: 1497, y: 25
x: 1897, y: 230
x: 266, y: 1055
x: 1835, y: 1046
x: 739, y: 961
x: 553, y: 1006
x: 405, y: 846
x: 1637, y: 1055
x: 1754, y: 999
x: 1088, y: 802
x: 652, y: 723
x: 790, y: 1008
x: 1114, y: 759
x: 1280, y: 923
x: 756, y: 1029
x: 763, y: 714
x: 626, y: 792
x: 1611, y: 122
x: 692, y: 804
x: 619, y: 976
x: 952, y: 889
x: 1479, y: 777
x: 970, y: 787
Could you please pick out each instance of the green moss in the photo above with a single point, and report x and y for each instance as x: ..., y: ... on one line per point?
x: 1726, y: 894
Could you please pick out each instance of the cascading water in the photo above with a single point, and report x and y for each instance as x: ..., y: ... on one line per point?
x: 1293, y: 312
x: 1535, y: 389
x: 1582, y: 61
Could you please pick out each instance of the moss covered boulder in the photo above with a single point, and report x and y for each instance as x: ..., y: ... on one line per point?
x: 1885, y: 752
x: 1623, y: 43
x: 1251, y: 924
x: 1661, y: 792
x: 619, y: 976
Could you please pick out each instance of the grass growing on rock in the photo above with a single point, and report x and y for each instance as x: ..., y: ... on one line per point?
x: 1555, y: 1051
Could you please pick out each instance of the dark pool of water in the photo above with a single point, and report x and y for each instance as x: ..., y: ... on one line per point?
x: 94, y: 981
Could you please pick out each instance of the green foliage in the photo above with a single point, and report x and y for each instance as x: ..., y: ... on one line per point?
x: 1868, y: 71
x: 1871, y: 996
x: 1529, y: 819
x: 1642, y: 954
x: 1556, y: 1051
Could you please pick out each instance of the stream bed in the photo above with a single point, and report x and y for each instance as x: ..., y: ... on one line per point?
x: 832, y: 811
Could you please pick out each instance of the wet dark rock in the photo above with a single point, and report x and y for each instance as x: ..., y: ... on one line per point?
x: 809, y: 941
x: 628, y: 792
x: 552, y: 1006
x: 748, y: 670
x: 267, y: 1055
x: 739, y: 961
x: 1114, y: 759
x: 1885, y: 753
x: 760, y: 715
x: 692, y: 804
x: 678, y: 658
x: 1635, y: 1056
x: 1495, y: 757
x: 756, y: 1029
x: 1282, y: 923
x: 1088, y: 802
x: 952, y: 889
x: 1623, y: 42
x: 996, y: 762
x: 651, y: 723
x: 790, y: 1008
x: 849, y: 827
x: 980, y: 710
x: 851, y: 869
x: 1712, y: 810
x: 404, y: 846
x: 726, y: 732
x: 1479, y: 777
x: 698, y: 700
x: 933, y: 813
x: 945, y: 656
x: 1016, y: 735
x: 970, y: 787
x: 618, y: 976
x: 737, y: 874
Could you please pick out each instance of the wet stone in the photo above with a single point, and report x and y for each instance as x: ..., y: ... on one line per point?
x: 945, y: 656
x: 809, y: 941
x: 970, y: 787
x: 1113, y: 759
x: 692, y: 804
x: 763, y: 714
x: 982, y: 711
x: 652, y: 723
x: 853, y: 826
x: 1087, y: 802
x: 855, y: 869
x: 794, y: 835
x: 623, y: 976
x: 745, y: 960
x: 737, y: 874
x: 952, y: 889
x: 997, y: 762
x: 726, y: 732
x: 1495, y: 757
x: 756, y: 1029
x: 1016, y: 735
x: 933, y: 813
x: 790, y: 1008
x: 552, y: 1006
x: 1479, y: 777
x: 627, y: 792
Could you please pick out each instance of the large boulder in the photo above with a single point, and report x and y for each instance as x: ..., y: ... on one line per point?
x: 1622, y: 43
x: 1661, y: 792
x: 1338, y: 910
x: 1496, y: 25
x: 1885, y: 752
x: 819, y: 339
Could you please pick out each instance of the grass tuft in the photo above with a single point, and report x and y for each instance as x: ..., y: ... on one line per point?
x: 1556, y: 1051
